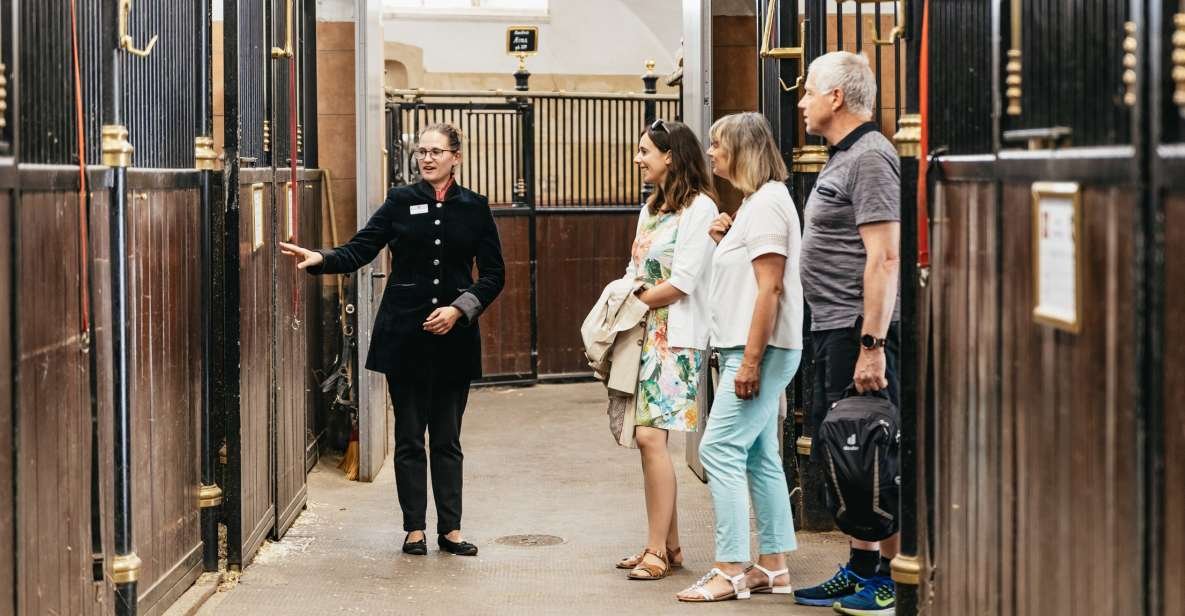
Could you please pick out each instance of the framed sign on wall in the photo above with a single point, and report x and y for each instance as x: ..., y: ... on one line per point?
x: 522, y: 40
x: 1057, y: 255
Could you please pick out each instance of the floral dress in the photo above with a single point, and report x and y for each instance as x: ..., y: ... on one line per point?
x: 668, y: 381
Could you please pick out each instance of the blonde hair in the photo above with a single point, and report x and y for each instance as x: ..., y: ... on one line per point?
x: 753, y: 157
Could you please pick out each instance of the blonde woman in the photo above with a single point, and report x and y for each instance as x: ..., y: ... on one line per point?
x: 756, y: 315
x: 672, y: 254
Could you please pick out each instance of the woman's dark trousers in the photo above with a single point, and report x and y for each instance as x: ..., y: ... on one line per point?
x: 436, y: 405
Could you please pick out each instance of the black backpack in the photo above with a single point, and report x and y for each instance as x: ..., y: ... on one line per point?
x: 859, y: 442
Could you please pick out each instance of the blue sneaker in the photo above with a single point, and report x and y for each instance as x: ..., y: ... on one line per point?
x: 877, y: 598
x: 842, y: 584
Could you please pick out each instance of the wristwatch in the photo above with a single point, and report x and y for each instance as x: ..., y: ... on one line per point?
x: 872, y: 343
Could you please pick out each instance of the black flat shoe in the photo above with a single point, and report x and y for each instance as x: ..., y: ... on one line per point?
x: 415, y: 548
x: 463, y: 548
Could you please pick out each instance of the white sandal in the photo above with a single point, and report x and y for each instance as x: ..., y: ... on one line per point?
x: 739, y: 590
x: 769, y: 587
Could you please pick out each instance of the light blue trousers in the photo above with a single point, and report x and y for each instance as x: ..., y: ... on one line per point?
x: 741, y: 458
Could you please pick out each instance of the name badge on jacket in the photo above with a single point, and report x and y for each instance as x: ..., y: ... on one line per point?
x: 419, y: 209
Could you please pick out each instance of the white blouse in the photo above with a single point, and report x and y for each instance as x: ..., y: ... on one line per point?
x: 765, y: 223
x: 691, y: 270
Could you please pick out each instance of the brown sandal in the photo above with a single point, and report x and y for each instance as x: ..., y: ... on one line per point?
x: 674, y: 558
x: 647, y: 571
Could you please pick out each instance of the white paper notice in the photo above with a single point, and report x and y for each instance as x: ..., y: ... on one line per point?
x: 257, y: 215
x: 1057, y: 256
x: 288, y: 231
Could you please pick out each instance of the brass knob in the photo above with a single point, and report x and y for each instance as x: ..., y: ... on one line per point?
x: 1178, y: 57
x: 1130, y: 46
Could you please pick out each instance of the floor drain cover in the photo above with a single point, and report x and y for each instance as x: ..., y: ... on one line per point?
x: 529, y: 540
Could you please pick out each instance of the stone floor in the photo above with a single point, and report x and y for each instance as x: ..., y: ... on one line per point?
x: 539, y: 461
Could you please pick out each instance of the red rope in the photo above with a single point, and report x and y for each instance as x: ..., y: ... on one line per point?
x: 924, y: 142
x: 294, y: 194
x: 83, y: 232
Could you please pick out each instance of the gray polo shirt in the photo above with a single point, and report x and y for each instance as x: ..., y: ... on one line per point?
x: 860, y: 184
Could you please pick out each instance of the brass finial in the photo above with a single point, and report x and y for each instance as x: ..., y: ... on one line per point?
x: 650, y: 64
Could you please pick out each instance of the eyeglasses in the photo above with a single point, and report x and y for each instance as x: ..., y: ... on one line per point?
x: 435, y: 153
x: 659, y: 125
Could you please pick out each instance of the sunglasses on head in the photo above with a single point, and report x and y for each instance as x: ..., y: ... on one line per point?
x: 659, y: 125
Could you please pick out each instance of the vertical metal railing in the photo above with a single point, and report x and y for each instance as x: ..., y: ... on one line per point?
x: 491, y: 165
x: 585, y: 148
x: 160, y: 89
x: 582, y: 145
x: 279, y: 81
x: 960, y: 71
x: 46, y: 121
x: 251, y: 84
x: 158, y: 94
x: 205, y: 159
x: 6, y: 66
x: 1071, y: 70
x: 307, y: 56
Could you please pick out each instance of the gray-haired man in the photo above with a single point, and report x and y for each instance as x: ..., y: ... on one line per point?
x: 849, y: 277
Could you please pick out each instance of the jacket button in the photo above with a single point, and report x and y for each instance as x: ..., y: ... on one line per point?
x: 439, y: 205
x: 435, y: 281
x: 435, y: 301
x: 437, y: 242
x: 438, y: 223
x: 435, y: 261
x: 639, y: 343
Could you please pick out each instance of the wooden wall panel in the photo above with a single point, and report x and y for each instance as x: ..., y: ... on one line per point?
x: 1174, y: 410
x: 164, y: 268
x: 1034, y: 438
x: 255, y: 327
x: 966, y: 460
x: 7, y: 553
x: 1069, y: 397
x: 295, y: 330
x: 578, y: 254
x: 320, y: 359
x: 506, y: 325
x: 53, y: 542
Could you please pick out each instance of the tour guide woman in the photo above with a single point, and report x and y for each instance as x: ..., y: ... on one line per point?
x: 425, y: 336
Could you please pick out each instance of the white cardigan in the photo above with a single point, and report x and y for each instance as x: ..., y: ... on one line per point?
x: 691, y: 271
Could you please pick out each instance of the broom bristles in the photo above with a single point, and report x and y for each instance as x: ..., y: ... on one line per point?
x: 349, y: 463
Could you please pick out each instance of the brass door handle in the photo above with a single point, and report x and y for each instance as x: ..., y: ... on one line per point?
x: 286, y: 52
x: 801, y: 62
x: 125, y: 38
x: 898, y: 31
x: 784, y: 53
x: 780, y: 53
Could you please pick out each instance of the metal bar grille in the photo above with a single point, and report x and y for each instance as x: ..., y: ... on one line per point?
x: 6, y: 55
x: 252, y: 83
x: 960, y: 76
x: 1072, y: 68
x: 159, y: 90
x: 583, y: 148
x: 490, y: 135
x: 280, y: 138
x: 48, y: 134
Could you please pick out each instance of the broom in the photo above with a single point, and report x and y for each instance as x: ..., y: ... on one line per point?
x: 349, y: 463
